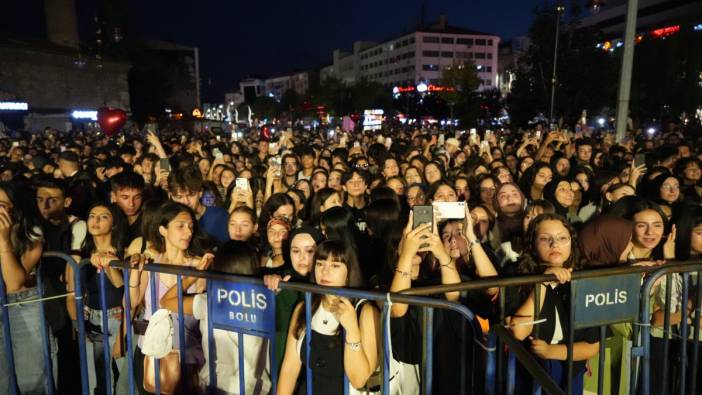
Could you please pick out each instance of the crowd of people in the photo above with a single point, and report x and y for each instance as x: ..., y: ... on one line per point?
x: 338, y: 209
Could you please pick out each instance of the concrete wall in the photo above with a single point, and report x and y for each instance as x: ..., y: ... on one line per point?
x: 50, y: 80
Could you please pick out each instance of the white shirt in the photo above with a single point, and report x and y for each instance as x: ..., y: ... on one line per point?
x: 256, y: 357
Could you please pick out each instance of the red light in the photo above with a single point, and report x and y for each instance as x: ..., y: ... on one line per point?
x: 665, y: 31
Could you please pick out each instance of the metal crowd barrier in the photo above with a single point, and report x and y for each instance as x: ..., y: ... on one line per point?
x: 428, y: 304
x: 641, y: 350
x: 502, y: 349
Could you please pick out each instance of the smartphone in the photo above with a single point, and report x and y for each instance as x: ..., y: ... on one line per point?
x: 422, y: 215
x: 485, y: 145
x: 165, y: 164
x: 356, y: 144
x: 639, y: 159
x: 217, y: 153
x: 450, y: 210
x: 242, y: 183
x: 219, y: 138
x: 15, y: 144
x: 276, y: 163
x: 442, y: 139
x: 538, y: 134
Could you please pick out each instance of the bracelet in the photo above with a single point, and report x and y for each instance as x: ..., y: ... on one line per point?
x: 404, y: 274
x: 355, y: 346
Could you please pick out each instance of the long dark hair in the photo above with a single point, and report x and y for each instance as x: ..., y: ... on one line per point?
x: 167, y: 213
x: 529, y: 262
x: 314, y: 212
x: 118, y: 233
x: 685, y: 221
x: 236, y: 257
x: 334, y: 250
x: 25, y: 230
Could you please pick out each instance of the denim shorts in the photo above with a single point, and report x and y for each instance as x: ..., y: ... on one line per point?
x: 28, y: 348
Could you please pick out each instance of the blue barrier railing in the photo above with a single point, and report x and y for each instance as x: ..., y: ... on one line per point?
x: 685, y: 379
x: 308, y: 290
x: 642, y: 331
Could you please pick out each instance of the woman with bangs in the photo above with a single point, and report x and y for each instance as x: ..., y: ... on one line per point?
x: 343, y: 333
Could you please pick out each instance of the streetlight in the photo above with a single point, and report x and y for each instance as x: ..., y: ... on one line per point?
x: 560, y: 9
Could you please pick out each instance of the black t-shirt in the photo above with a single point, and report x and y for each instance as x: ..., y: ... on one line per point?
x: 91, y: 281
x: 134, y: 230
x: 406, y: 335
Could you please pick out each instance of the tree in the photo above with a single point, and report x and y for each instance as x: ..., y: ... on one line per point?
x: 265, y: 107
x: 463, y: 79
x: 332, y: 93
x: 370, y: 94
x: 290, y: 102
x: 586, y: 76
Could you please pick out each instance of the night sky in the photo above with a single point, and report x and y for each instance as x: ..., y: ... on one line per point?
x: 240, y: 38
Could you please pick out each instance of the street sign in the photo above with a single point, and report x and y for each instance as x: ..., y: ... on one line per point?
x: 241, y: 307
x: 606, y: 300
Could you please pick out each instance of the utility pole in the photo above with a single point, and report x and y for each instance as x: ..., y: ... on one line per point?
x: 626, y: 70
x: 559, y: 10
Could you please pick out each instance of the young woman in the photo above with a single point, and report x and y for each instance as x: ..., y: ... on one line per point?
x: 551, y: 249
x: 242, y: 224
x: 174, y: 239
x: 322, y: 200
x: 606, y: 241
x: 277, y: 232
x: 535, y: 179
x: 344, y: 334
x: 433, y: 172
x: 106, y: 241
x: 319, y: 179
x: 299, y: 254
x: 20, y: 250
x: 441, y: 191
x: 560, y: 194
x: 239, y: 258
x: 278, y: 205
x: 408, y: 269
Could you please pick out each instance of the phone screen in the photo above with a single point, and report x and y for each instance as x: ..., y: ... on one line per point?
x: 422, y: 215
x: 165, y: 164
x: 639, y: 159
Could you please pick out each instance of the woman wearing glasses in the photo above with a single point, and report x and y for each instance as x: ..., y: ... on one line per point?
x: 551, y: 248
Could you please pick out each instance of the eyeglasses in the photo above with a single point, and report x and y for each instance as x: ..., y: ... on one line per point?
x: 550, y: 241
x: 669, y: 187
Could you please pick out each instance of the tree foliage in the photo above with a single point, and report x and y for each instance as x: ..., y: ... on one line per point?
x: 586, y: 76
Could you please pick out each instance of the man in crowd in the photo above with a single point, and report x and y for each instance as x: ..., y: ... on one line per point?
x: 128, y: 194
x: 78, y: 183
x: 185, y: 186
x: 62, y: 233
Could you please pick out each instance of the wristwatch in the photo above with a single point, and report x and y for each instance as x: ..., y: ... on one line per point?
x: 354, y: 346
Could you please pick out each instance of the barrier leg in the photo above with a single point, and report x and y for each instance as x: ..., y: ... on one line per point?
x: 7, y: 336
x: 130, y: 340
x: 46, y: 341
x: 428, y: 350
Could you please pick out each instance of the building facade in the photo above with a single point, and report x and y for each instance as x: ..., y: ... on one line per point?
x: 419, y: 56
